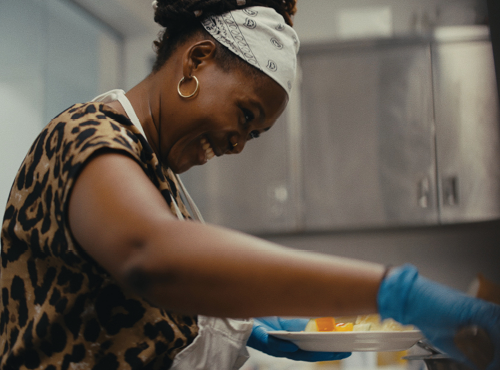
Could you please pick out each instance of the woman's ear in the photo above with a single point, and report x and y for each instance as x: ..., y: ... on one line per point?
x: 196, y: 55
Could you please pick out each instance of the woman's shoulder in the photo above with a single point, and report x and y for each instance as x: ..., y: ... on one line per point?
x: 85, y: 125
x: 91, y: 114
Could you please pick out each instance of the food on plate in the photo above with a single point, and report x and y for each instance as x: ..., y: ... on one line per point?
x: 321, y: 324
x: 347, y: 326
x: 375, y: 324
x: 354, y: 323
x: 324, y: 324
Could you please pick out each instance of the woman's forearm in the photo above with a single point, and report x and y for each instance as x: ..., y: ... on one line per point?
x: 121, y: 220
x: 210, y: 270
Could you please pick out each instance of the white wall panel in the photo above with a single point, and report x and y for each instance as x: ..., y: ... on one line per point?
x: 21, y: 84
x: 52, y: 55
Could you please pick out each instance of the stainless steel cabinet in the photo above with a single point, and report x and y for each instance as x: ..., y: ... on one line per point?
x: 385, y: 134
x: 401, y: 134
x: 368, y: 136
x: 467, y: 124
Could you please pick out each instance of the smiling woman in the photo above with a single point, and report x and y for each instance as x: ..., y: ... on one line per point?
x: 217, y: 59
x: 99, y: 267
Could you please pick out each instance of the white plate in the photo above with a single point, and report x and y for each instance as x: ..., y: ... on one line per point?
x: 352, y: 341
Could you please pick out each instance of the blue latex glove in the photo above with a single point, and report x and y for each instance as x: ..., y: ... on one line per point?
x: 260, y: 340
x: 438, y: 311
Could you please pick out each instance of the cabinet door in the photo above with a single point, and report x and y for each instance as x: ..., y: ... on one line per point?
x: 368, y: 137
x: 467, y: 126
x: 250, y: 191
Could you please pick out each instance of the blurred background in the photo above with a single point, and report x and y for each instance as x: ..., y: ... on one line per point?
x: 388, y: 151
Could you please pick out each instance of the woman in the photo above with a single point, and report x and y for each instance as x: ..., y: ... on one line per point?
x: 98, y: 267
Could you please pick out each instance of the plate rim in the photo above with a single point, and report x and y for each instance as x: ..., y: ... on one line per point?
x: 304, y: 340
x: 378, y: 332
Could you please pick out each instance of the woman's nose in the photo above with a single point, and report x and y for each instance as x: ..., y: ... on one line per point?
x: 236, y: 145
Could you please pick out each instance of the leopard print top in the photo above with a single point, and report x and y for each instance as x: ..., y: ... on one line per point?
x: 59, y: 309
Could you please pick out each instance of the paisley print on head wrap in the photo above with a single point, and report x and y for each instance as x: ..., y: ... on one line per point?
x: 261, y: 37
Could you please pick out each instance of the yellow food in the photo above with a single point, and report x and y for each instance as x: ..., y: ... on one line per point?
x: 348, y: 326
x: 377, y: 325
x: 355, y: 323
x: 362, y: 327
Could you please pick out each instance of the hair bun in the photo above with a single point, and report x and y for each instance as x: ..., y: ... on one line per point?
x: 173, y: 13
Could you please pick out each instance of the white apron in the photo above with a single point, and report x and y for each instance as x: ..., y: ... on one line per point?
x: 220, y: 343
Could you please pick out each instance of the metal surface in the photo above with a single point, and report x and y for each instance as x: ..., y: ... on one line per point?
x: 368, y: 136
x: 295, y: 155
x: 428, y: 347
x: 467, y: 131
x: 494, y: 25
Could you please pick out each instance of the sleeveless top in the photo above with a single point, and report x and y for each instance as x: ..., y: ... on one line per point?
x: 58, y: 306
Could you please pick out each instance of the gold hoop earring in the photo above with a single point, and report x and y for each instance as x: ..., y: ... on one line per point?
x: 190, y: 95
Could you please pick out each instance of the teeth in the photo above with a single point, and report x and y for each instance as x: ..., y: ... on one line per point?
x: 209, y: 153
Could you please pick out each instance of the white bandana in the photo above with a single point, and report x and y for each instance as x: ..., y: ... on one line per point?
x: 260, y: 36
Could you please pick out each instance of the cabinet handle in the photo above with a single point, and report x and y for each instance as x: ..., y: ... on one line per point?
x: 449, y: 187
x: 424, y: 193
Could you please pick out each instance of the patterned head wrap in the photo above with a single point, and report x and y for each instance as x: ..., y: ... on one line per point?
x: 260, y: 36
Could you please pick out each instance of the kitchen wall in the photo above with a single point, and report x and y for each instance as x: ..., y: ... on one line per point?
x: 52, y: 55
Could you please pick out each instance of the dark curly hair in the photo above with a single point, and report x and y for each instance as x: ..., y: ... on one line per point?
x: 181, y: 23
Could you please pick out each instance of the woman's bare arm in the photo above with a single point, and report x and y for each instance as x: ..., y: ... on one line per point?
x: 122, y: 221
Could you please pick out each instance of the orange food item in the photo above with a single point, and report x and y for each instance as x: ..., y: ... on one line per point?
x: 325, y: 323
x: 349, y: 326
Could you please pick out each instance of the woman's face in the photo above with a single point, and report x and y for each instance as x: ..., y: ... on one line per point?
x: 229, y: 109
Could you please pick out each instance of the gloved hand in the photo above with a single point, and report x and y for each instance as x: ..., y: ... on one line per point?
x: 260, y: 340
x: 438, y: 311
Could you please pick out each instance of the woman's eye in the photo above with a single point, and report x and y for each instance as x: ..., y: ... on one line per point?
x: 248, y: 115
x: 254, y: 134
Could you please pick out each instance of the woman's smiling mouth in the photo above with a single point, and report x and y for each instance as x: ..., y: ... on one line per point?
x: 209, y: 152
